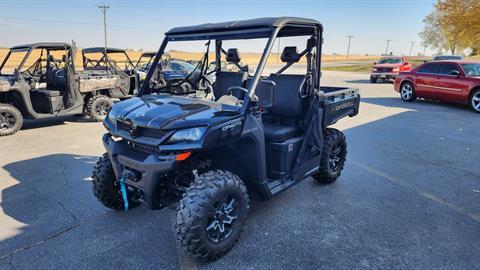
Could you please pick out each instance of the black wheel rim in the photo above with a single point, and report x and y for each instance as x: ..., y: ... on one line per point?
x: 335, y: 158
x: 221, y: 222
x: 102, y: 108
x: 7, y: 120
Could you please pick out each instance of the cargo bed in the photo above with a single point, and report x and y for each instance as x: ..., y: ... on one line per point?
x: 338, y: 102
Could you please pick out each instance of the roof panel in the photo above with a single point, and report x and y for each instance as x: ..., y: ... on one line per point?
x: 268, y: 22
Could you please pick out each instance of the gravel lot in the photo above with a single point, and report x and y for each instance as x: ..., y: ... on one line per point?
x: 408, y: 198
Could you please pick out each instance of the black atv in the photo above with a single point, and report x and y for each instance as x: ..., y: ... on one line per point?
x: 256, y: 137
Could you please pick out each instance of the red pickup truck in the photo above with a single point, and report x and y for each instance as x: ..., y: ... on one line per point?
x: 452, y: 81
x: 388, y: 68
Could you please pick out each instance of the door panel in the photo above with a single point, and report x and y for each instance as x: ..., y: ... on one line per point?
x: 426, y: 79
x: 451, y: 87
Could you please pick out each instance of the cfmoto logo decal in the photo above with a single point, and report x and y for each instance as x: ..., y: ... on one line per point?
x: 232, y: 125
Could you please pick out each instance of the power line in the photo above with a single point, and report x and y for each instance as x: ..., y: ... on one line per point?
x: 76, y: 23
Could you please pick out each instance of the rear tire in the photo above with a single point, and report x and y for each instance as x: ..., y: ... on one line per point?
x: 373, y: 79
x: 105, y: 187
x: 475, y: 100
x: 11, y: 120
x: 215, y: 201
x: 407, y: 92
x: 333, y: 156
x: 98, y: 106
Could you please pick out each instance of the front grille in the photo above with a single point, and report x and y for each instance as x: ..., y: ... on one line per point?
x: 123, y: 125
x: 152, y: 132
x: 143, y: 148
x: 384, y: 69
x: 140, y: 131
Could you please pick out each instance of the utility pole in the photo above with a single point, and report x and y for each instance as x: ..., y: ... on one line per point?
x: 104, y: 9
x: 411, y: 47
x: 386, y: 49
x: 424, y: 49
x: 348, y: 49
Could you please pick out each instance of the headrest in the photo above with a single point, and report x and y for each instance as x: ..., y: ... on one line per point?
x: 233, y: 56
x: 290, y: 55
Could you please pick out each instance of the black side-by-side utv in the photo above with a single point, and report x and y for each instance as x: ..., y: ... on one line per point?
x: 258, y: 136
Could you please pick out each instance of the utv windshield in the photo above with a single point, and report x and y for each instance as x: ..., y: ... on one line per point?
x: 178, y: 76
x: 245, y: 44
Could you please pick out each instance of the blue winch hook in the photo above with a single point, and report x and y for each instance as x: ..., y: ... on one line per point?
x: 124, y: 192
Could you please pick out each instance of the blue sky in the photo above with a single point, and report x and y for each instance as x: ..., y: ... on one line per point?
x: 140, y: 24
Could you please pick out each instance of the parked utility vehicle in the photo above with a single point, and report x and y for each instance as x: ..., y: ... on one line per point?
x: 112, y: 64
x: 258, y: 136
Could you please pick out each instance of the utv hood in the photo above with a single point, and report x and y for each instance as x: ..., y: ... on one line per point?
x: 170, y: 112
x: 5, y: 84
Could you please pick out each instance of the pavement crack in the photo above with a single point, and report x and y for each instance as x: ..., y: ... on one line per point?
x: 70, y: 213
x: 38, y: 243
x: 65, y: 178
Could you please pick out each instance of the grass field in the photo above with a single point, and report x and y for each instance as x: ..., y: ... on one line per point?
x: 247, y: 58
x: 366, y: 68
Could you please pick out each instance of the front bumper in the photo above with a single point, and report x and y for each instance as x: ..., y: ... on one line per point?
x: 384, y: 75
x: 149, y: 167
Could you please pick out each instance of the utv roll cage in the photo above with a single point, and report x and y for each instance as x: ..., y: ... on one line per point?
x: 271, y: 28
x: 47, y: 46
x: 105, y: 62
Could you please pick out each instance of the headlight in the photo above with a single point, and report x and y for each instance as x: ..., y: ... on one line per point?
x: 374, y: 69
x: 187, y: 135
x: 112, y: 117
x: 396, y: 69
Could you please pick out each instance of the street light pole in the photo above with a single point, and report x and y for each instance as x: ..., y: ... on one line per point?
x: 104, y: 9
x: 348, y: 49
x: 386, y: 49
x: 411, y: 47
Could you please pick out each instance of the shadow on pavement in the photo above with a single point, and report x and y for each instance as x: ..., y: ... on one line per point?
x: 419, y: 104
x: 368, y: 81
x: 399, y: 202
x: 59, y: 224
x: 48, y: 197
x: 53, y: 121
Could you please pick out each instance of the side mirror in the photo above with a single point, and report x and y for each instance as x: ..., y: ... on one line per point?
x: 265, y: 93
x: 455, y: 73
x: 406, y: 63
x: 374, y: 63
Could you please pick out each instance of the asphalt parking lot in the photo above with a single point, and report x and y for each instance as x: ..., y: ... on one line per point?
x: 408, y: 198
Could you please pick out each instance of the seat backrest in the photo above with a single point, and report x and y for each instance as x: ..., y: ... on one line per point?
x: 288, y: 102
x: 227, y: 79
x: 56, y: 79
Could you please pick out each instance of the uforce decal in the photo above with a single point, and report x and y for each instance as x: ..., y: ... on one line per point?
x: 232, y: 126
x: 344, y: 105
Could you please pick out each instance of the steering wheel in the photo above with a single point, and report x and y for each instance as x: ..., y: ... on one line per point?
x: 203, y: 83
